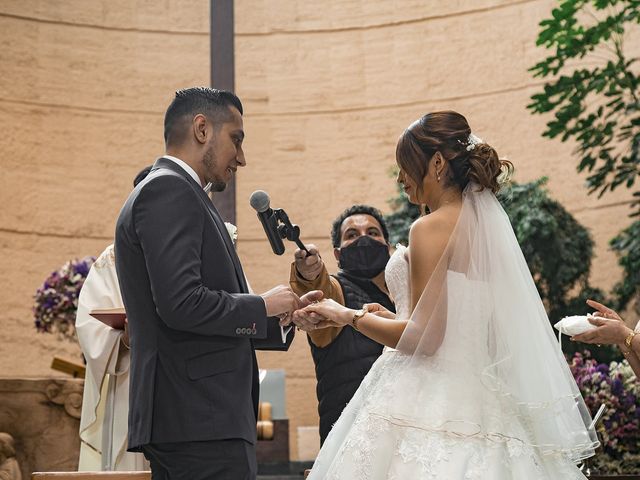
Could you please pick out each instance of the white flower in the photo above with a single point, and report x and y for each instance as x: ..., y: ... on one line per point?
x: 472, y: 141
x: 232, y: 230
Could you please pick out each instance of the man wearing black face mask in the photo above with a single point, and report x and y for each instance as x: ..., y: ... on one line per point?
x: 343, y: 356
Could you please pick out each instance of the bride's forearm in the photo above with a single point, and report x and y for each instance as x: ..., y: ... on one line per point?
x: 632, y: 355
x: 632, y: 358
x: 382, y: 330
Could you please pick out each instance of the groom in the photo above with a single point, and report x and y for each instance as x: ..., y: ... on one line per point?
x: 193, y: 324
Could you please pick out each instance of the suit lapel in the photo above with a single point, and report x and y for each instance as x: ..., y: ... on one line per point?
x: 217, y: 219
x: 227, y: 239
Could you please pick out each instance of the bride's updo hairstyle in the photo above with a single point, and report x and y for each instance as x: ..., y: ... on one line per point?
x: 447, y: 132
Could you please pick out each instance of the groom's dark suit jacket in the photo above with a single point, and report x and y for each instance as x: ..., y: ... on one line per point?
x: 193, y: 325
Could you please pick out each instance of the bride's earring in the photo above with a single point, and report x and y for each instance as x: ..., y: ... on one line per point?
x: 438, y: 177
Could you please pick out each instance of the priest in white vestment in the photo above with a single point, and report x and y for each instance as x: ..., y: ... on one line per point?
x: 105, y: 405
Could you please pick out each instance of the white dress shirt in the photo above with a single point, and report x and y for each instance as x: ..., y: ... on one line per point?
x: 185, y: 166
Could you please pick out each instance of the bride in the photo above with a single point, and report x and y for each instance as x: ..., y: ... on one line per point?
x: 474, y: 386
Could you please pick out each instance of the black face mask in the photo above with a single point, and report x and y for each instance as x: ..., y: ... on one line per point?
x: 364, y: 258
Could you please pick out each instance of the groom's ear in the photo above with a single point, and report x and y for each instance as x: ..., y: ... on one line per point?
x: 200, y: 128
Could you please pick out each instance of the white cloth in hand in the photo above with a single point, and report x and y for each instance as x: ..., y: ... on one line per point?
x: 574, y: 325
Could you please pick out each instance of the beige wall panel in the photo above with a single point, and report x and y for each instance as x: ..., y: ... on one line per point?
x: 315, y: 165
x: 28, y: 353
x: 302, y: 406
x: 277, y: 16
x: 26, y: 261
x: 265, y: 270
x: 164, y: 15
x: 96, y: 68
x: 68, y: 168
x: 68, y: 171
x: 392, y: 66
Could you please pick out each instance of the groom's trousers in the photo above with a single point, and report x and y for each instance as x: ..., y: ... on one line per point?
x: 232, y: 459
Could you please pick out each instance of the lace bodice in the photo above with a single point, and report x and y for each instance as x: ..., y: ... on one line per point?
x: 397, y: 277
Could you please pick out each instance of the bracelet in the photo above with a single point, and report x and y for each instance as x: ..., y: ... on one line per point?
x: 629, y: 339
x: 357, y: 316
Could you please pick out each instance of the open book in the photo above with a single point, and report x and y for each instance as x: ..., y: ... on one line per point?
x: 113, y: 317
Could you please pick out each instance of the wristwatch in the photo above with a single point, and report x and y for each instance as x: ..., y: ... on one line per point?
x: 357, y: 316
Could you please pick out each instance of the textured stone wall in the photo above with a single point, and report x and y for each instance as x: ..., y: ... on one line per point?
x: 327, y: 90
x: 83, y: 90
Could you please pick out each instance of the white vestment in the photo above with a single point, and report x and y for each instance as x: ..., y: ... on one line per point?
x: 105, y: 404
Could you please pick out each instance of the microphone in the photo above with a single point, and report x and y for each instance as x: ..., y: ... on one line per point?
x: 260, y: 200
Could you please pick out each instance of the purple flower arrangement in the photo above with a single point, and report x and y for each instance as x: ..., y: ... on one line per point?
x: 56, y: 301
x: 617, y: 387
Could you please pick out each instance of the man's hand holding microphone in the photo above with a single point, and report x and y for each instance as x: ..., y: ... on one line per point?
x: 281, y: 301
x: 309, y: 265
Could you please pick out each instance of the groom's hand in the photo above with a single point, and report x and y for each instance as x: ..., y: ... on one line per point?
x: 308, y: 321
x: 302, y: 320
x: 281, y: 302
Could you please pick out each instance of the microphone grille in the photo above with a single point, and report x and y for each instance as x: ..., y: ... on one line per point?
x: 260, y: 200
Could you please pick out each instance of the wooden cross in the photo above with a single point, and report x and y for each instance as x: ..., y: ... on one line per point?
x: 223, y: 77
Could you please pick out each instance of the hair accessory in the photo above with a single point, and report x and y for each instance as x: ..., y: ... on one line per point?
x: 472, y: 141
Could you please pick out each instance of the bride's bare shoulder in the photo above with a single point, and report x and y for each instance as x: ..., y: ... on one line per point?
x: 428, y: 240
x: 433, y: 226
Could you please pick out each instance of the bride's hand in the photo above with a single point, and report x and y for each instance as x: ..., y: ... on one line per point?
x: 334, y: 313
x: 379, y: 310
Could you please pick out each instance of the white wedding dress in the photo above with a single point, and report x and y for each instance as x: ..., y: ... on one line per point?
x: 455, y: 428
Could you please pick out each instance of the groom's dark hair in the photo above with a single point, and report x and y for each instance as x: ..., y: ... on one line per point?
x: 142, y: 174
x: 189, y: 102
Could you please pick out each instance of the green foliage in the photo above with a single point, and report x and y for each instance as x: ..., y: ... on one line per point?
x: 598, y: 106
x: 627, y: 245
x: 558, y: 250
x: 593, y: 93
